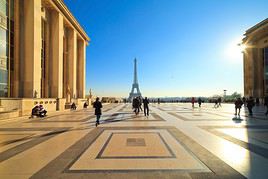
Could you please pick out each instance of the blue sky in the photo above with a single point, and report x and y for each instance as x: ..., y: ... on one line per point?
x: 183, y: 48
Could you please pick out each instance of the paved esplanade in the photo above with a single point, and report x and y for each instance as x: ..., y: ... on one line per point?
x: 176, y: 141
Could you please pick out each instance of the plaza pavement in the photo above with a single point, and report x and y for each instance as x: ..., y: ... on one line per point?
x: 175, y: 141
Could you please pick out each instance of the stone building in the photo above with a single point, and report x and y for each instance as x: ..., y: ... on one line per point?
x: 256, y: 60
x: 42, y: 55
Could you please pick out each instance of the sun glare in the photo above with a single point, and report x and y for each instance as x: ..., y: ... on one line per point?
x: 242, y: 47
x: 234, y: 51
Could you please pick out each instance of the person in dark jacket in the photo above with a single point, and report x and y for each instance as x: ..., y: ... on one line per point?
x: 140, y: 102
x: 266, y: 104
x: 244, y: 101
x: 73, y: 106
x: 257, y: 101
x: 97, y: 105
x: 38, y: 111
x: 238, y: 105
x: 136, y: 105
x: 199, y: 102
x: 35, y: 111
x: 250, y: 105
x: 146, y: 106
x: 85, y: 105
x: 219, y: 102
x: 42, y: 111
x: 216, y: 103
x: 193, y: 101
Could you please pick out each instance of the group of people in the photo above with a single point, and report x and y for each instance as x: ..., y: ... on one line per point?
x: 199, y: 100
x: 73, y: 106
x: 137, y: 105
x: 38, y: 111
x: 217, y: 102
x: 249, y: 103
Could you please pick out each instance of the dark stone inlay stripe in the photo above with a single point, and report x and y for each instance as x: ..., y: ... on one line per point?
x: 43, y: 120
x: 112, y: 118
x: 59, y: 167
x: 187, y: 119
x: 104, y: 146
x: 130, y: 118
x: 99, y: 156
x: 25, y: 137
x: 250, y: 117
x: 219, y: 168
x: 238, y: 126
x: 27, y: 145
x: 157, y: 117
x: 112, y: 107
x: 108, y: 109
x: 123, y: 107
x: 252, y: 147
x: 33, y: 129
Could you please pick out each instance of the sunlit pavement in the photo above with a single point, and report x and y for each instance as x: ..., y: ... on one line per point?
x: 175, y: 141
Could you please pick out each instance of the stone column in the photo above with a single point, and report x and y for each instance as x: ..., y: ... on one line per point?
x: 16, y: 82
x: 81, y: 50
x: 56, y: 55
x: 259, y: 70
x: 256, y: 72
x: 47, y: 53
x: 72, y: 59
x: 32, y: 49
x: 248, y: 72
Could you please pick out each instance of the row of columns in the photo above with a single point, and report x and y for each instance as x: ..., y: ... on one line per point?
x: 30, y: 76
x: 254, y: 72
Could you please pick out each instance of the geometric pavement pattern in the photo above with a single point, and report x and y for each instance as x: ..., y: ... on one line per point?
x: 175, y: 141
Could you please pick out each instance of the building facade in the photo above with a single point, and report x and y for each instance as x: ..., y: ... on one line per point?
x: 42, y: 52
x: 256, y: 60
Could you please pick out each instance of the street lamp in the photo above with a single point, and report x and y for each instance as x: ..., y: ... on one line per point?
x: 224, y: 94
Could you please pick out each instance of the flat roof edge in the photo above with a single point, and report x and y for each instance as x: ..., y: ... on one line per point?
x: 255, y: 27
x: 60, y: 4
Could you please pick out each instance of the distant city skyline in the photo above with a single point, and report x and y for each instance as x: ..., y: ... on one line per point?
x: 183, y: 48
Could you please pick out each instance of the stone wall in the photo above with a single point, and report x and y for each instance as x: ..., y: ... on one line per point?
x: 25, y: 105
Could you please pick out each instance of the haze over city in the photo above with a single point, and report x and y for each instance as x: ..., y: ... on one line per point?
x: 183, y: 48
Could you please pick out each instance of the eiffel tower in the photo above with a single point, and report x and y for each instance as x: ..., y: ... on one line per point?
x: 135, y: 84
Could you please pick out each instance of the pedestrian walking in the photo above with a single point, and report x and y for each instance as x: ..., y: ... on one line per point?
x: 199, y: 102
x: 193, y: 100
x: 219, y: 102
x: 266, y: 104
x: 238, y: 105
x: 146, y: 106
x: 136, y: 105
x: 244, y: 101
x: 250, y: 105
x: 216, y: 103
x: 257, y: 101
x: 97, y: 105
x: 140, y: 102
